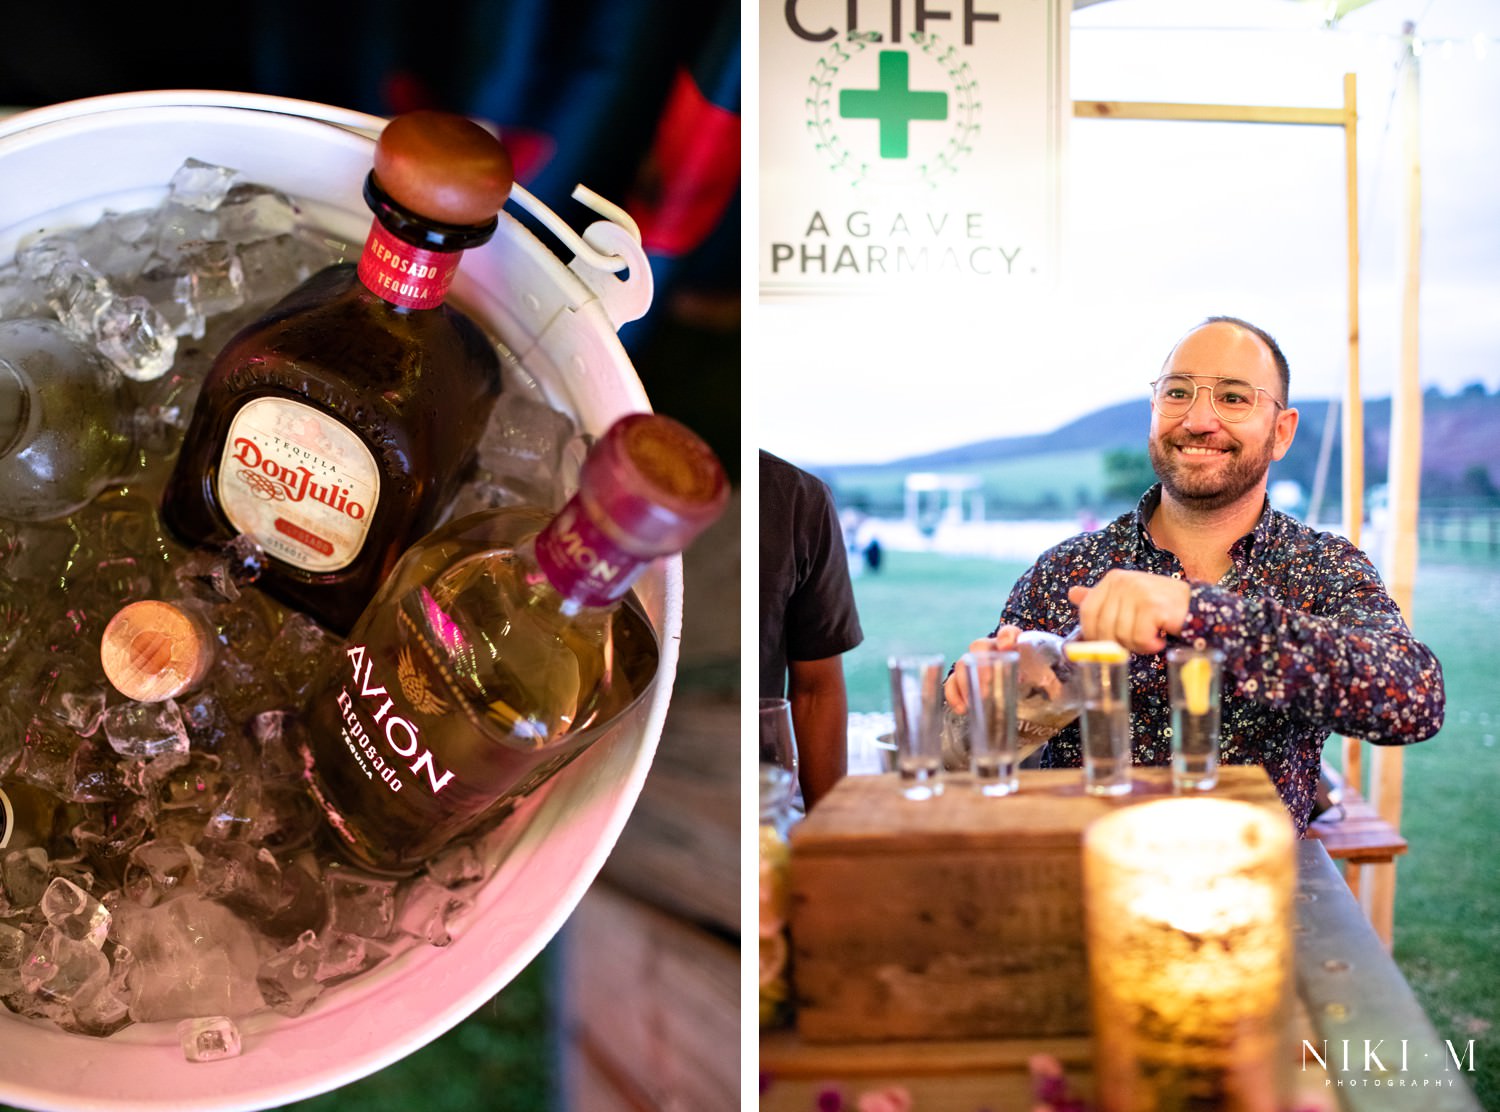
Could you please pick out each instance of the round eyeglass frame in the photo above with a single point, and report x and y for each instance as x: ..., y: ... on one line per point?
x: 1212, y: 401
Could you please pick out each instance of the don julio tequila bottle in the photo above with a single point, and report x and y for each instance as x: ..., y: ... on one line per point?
x: 334, y: 430
x: 499, y: 646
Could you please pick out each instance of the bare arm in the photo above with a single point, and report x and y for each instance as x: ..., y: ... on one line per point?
x: 820, y: 721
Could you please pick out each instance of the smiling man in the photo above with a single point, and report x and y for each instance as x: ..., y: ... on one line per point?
x: 1312, y: 642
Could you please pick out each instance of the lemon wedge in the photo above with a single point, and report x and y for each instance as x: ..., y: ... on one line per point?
x: 1100, y: 652
x: 1196, y: 677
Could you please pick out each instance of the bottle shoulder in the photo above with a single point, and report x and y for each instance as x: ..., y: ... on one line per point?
x: 332, y: 325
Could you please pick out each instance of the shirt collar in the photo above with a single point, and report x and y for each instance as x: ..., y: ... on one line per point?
x: 1259, y: 537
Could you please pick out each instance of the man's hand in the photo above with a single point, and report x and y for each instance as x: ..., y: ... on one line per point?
x: 956, y: 686
x: 1135, y: 608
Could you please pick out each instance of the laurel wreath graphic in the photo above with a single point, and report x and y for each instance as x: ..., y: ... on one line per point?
x: 822, y: 120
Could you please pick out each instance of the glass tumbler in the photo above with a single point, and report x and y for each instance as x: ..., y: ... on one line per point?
x: 917, y: 702
x: 994, y: 750
x: 1194, y: 677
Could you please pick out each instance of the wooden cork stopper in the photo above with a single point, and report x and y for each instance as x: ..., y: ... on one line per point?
x: 155, y: 650
x: 444, y: 167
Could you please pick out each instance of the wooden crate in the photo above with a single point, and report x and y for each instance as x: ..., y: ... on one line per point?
x: 959, y: 917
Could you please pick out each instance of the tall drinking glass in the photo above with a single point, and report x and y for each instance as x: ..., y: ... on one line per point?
x: 917, y: 700
x: 1104, y: 678
x: 994, y: 752
x: 778, y: 744
x: 1193, y: 677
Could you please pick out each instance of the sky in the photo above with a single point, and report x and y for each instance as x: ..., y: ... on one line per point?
x: 1167, y: 222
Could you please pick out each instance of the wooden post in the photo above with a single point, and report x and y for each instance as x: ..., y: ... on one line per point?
x: 1353, y: 414
x: 1386, y: 763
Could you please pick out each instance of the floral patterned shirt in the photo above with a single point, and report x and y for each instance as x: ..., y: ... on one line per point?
x: 1312, y: 643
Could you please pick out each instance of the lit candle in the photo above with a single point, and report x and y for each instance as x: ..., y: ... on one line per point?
x: 1188, y: 905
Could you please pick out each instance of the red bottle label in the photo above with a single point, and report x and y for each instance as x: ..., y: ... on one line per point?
x: 582, y: 561
x: 404, y: 275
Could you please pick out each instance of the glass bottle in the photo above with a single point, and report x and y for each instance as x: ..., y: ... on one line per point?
x: 1047, y: 692
x: 499, y: 648
x: 66, y: 430
x: 29, y: 816
x: 336, y: 429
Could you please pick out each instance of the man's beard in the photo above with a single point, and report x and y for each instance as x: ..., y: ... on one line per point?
x: 1243, y: 473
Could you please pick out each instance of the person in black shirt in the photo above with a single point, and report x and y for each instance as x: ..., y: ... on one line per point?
x: 808, y: 618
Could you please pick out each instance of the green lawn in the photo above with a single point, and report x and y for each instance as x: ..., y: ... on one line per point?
x: 1447, y: 936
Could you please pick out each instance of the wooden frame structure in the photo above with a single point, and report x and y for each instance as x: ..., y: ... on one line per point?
x: 1377, y: 897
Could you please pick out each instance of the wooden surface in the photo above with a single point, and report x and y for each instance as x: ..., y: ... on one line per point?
x: 1347, y: 989
x: 956, y: 917
x: 649, y: 1008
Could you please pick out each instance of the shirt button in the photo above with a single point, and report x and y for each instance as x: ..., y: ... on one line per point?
x: 1167, y: 732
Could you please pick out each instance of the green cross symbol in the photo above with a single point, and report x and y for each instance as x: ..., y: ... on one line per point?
x: 893, y: 103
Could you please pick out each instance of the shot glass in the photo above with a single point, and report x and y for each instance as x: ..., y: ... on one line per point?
x: 917, y: 700
x: 1193, y: 678
x: 1104, y: 680
x: 994, y: 748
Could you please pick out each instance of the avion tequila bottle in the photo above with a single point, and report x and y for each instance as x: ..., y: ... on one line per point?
x: 335, y: 430
x: 498, y: 649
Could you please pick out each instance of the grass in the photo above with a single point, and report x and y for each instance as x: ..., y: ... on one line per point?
x: 1447, y: 933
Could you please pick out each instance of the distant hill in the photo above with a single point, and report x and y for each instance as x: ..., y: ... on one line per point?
x: 1460, y: 461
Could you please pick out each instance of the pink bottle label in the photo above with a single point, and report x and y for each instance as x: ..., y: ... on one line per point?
x: 581, y: 560
x: 405, y: 275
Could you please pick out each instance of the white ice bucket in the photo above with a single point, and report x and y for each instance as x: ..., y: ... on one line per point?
x: 62, y: 166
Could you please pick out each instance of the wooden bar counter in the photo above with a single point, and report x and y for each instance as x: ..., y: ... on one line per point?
x: 937, y: 946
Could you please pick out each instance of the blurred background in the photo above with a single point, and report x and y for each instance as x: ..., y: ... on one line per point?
x: 636, y: 1003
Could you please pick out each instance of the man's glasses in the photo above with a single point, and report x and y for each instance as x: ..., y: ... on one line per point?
x: 1233, y: 399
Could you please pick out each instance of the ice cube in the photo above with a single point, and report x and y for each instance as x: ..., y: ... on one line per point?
x: 133, y: 335
x: 46, y: 258
x: 118, y: 244
x: 521, y: 450
x: 193, y: 958
x: 49, y: 752
x: 273, y: 266
x: 288, y: 979
x: 159, y: 867
x: 146, y: 729
x: 252, y: 212
x: 24, y: 874
x: 347, y: 955
x: 15, y: 944
x: 243, y: 877
x: 63, y: 970
x: 209, y: 1038
x: 298, y: 653
x: 77, y: 294
x: 103, y: 1014
x: 425, y: 910
x: 212, y: 281
x: 361, y: 904
x: 200, y: 185
x: 456, y: 867
x: 75, y: 913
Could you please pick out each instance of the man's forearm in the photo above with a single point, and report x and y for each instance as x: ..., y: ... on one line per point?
x: 820, y: 721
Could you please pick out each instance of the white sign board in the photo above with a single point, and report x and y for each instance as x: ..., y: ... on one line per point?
x: 911, y: 145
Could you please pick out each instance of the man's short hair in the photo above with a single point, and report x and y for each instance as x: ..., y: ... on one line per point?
x: 1282, y: 369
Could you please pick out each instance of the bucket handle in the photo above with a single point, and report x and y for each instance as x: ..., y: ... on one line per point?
x: 604, y: 250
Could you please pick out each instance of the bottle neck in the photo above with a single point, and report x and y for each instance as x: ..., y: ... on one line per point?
x: 582, y: 562
x: 408, y: 260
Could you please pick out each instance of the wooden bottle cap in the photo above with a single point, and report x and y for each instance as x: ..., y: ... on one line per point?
x: 153, y: 650
x: 443, y: 166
